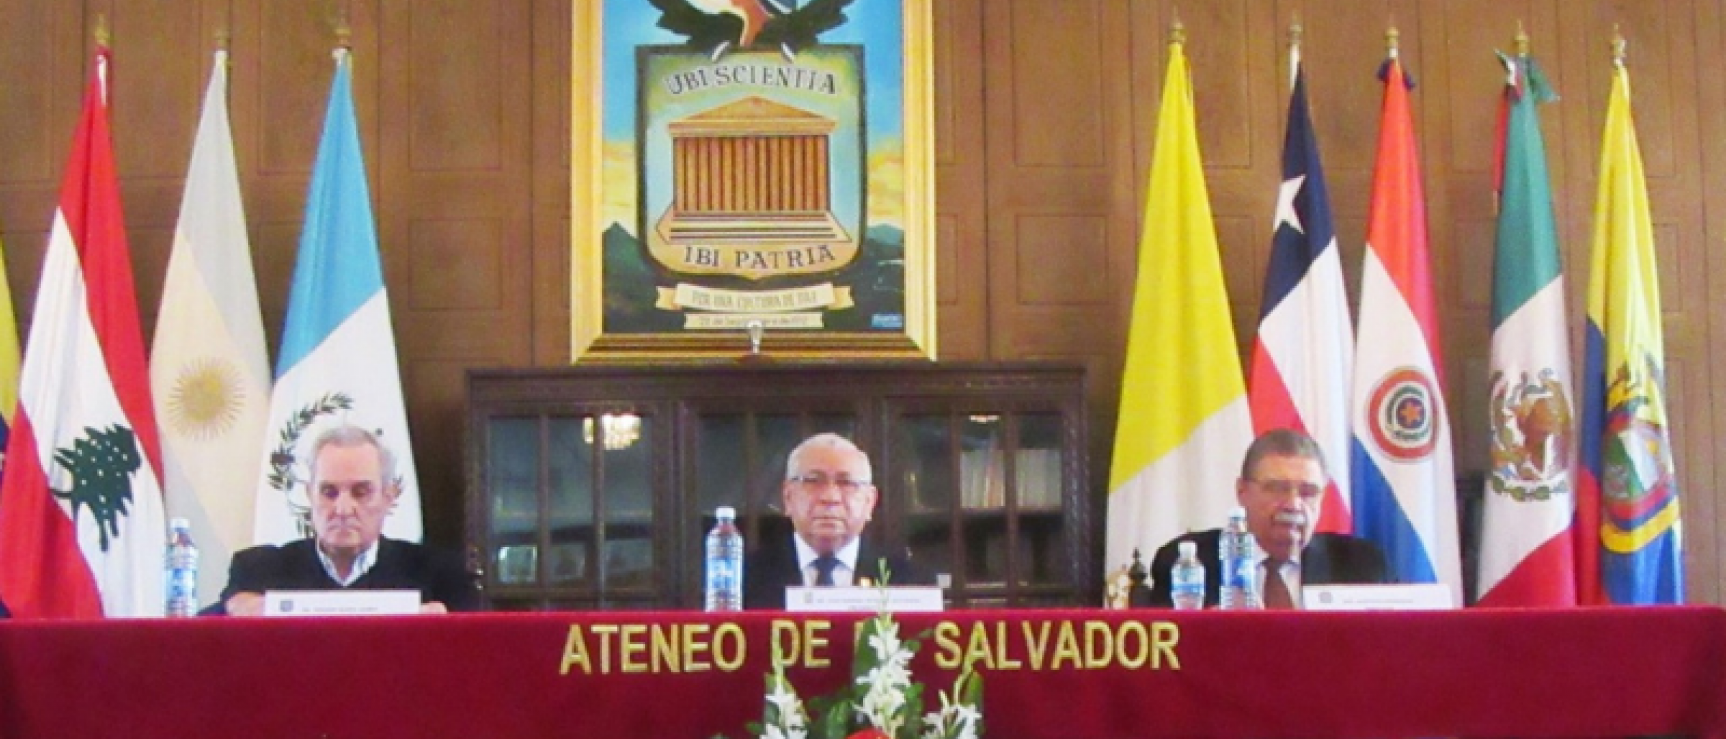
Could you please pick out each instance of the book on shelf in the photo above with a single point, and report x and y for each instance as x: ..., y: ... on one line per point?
x: 983, y: 478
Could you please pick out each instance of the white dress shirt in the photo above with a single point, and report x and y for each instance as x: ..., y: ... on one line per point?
x: 362, y: 564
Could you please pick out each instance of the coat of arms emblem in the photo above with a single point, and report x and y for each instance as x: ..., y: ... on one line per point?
x: 1532, y: 436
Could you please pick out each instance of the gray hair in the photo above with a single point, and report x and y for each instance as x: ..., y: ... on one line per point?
x: 1283, y: 442
x: 347, y: 436
x: 826, y: 440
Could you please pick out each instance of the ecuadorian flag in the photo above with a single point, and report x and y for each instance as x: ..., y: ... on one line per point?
x: 1629, y: 543
x: 1184, y: 423
x: 8, y: 360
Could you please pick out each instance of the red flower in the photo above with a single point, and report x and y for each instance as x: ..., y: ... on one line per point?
x: 870, y: 733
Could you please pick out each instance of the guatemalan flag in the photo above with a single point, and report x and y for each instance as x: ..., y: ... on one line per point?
x: 81, y: 519
x: 1404, y: 489
x: 1302, y: 358
x: 1629, y: 545
x: 337, y: 363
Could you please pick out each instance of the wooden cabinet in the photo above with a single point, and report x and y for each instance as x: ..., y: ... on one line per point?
x: 592, y: 487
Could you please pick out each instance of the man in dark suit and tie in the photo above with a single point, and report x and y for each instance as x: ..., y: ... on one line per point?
x: 1281, y: 485
x: 830, y: 495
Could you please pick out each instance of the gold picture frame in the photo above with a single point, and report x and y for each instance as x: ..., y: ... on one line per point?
x: 744, y: 181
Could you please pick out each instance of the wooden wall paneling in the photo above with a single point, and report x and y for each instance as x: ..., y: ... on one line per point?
x: 1233, y: 48
x: 550, y: 175
x: 454, y: 194
x: 962, y: 316
x: 279, y: 95
x: 162, y: 57
x: 1343, y: 48
x: 42, y: 77
x: 1050, y: 132
x: 1063, y: 86
x: 1704, y: 516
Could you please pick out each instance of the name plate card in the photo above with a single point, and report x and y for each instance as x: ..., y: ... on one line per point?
x: 1399, y: 597
x: 864, y: 599
x: 341, y: 602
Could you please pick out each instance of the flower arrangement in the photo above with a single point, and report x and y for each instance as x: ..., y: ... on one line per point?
x: 882, y: 701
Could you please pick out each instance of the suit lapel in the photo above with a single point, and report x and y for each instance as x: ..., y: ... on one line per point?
x: 1316, y: 563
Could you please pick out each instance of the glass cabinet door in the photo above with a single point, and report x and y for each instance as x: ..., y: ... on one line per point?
x: 513, y: 483
x: 740, y: 461
x: 571, y: 511
x: 984, y: 502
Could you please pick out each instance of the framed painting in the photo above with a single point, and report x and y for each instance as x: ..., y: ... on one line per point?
x: 751, y: 177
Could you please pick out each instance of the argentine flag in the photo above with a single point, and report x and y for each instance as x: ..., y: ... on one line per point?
x: 1404, y: 484
x: 337, y: 363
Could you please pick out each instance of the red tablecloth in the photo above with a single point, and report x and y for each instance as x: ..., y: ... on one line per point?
x: 1589, y: 672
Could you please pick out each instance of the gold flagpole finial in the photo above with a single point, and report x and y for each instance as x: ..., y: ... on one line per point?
x: 344, y: 33
x: 222, y: 38
x: 1296, y: 32
x: 1521, y: 40
x: 1392, y: 40
x: 1177, y: 29
x: 1618, y: 46
x: 102, y: 35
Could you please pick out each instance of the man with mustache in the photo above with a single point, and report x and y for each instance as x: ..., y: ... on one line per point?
x: 352, y: 490
x: 1281, y: 485
x: 829, y: 495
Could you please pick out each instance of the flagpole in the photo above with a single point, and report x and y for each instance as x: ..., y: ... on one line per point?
x: 1295, y: 33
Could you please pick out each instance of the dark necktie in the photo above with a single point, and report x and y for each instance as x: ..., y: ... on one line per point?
x: 1277, y: 596
x: 824, y: 565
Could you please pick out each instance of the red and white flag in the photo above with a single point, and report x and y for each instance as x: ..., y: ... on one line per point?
x: 81, y: 522
x: 1303, y: 356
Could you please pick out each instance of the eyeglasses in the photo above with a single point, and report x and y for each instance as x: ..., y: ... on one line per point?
x: 813, y: 481
x: 1281, y: 488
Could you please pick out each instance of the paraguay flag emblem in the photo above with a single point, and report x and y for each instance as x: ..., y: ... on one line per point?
x: 1403, y: 424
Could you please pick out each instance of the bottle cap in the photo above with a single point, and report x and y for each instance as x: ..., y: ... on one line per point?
x: 1189, y: 548
x: 725, y: 511
x: 175, y: 524
x: 1239, y: 512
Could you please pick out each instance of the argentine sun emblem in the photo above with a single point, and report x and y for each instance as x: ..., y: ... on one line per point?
x: 1401, y: 416
x: 205, y: 399
x: 1531, y: 436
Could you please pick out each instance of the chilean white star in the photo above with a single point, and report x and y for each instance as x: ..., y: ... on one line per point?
x: 1286, y: 203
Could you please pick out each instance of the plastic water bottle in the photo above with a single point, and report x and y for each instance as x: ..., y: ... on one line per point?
x: 182, y: 570
x: 724, y: 585
x: 1238, y: 556
x: 1187, y: 579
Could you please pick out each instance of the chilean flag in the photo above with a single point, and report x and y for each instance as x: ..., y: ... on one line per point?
x: 81, y: 527
x: 1301, y: 359
x: 1404, y: 486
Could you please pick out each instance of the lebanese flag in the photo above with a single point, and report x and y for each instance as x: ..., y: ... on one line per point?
x: 81, y: 522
